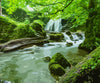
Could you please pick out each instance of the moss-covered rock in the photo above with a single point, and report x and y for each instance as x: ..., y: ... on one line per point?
x: 88, y: 68
x: 58, y: 58
x: 7, y: 27
x: 38, y: 27
x: 57, y: 70
x: 56, y: 37
x: 10, y: 30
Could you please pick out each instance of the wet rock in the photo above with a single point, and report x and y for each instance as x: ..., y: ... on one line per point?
x: 71, y: 37
x: 79, y: 35
x: 56, y: 37
x: 68, y: 32
x: 51, y: 44
x: 76, y: 40
x: 46, y: 59
x: 58, y: 58
x: 31, y: 52
x: 69, y: 44
x: 57, y: 70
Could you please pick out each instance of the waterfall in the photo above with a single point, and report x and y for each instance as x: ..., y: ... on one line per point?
x: 74, y: 38
x: 54, y: 25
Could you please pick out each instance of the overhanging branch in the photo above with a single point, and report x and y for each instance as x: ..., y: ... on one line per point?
x: 63, y: 8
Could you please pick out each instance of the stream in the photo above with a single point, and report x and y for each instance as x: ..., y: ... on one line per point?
x: 27, y: 65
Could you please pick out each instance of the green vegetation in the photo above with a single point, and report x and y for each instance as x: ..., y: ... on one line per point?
x: 92, y: 33
x: 56, y: 36
x: 89, y: 67
x: 57, y: 70
x: 10, y: 29
x: 19, y: 21
x: 57, y: 65
x: 58, y: 58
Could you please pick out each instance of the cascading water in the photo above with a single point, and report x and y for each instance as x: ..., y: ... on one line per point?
x: 74, y: 39
x: 54, y: 25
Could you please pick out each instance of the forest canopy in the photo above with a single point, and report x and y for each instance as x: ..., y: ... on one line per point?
x: 76, y: 9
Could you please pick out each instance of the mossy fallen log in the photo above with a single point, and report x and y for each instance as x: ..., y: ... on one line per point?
x: 22, y: 43
x: 87, y: 71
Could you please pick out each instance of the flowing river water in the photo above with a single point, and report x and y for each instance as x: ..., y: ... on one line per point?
x: 28, y: 66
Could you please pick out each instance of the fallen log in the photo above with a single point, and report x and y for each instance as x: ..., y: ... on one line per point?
x: 87, y: 71
x: 21, y: 43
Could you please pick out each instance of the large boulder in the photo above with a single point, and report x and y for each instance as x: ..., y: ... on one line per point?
x: 58, y: 58
x: 56, y: 37
x: 10, y: 30
x: 37, y: 27
x: 57, y: 65
x: 57, y: 70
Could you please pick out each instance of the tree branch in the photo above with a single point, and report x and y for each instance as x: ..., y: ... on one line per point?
x: 63, y: 8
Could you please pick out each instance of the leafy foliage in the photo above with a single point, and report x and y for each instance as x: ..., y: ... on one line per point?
x: 10, y: 29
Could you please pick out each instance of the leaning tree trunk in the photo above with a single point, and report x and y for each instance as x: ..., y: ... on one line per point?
x: 87, y: 71
x: 90, y: 42
x: 0, y: 9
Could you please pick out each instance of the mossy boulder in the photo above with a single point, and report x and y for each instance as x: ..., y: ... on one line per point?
x: 7, y: 27
x: 38, y: 27
x: 10, y: 30
x: 58, y: 58
x: 56, y: 36
x: 57, y: 70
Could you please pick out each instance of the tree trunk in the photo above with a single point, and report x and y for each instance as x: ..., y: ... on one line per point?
x: 90, y: 33
x: 0, y: 9
x: 87, y: 71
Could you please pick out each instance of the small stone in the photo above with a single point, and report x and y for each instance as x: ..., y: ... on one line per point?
x: 46, y: 59
x: 69, y: 44
x: 68, y: 32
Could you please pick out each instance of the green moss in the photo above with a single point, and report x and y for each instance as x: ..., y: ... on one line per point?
x: 10, y: 29
x: 59, y: 59
x: 23, y: 31
x: 92, y: 32
x: 7, y: 27
x: 90, y: 64
x: 57, y: 70
x: 56, y: 36
x: 39, y: 28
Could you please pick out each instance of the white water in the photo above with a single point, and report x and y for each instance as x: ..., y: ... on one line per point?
x: 75, y: 37
x: 54, y: 25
